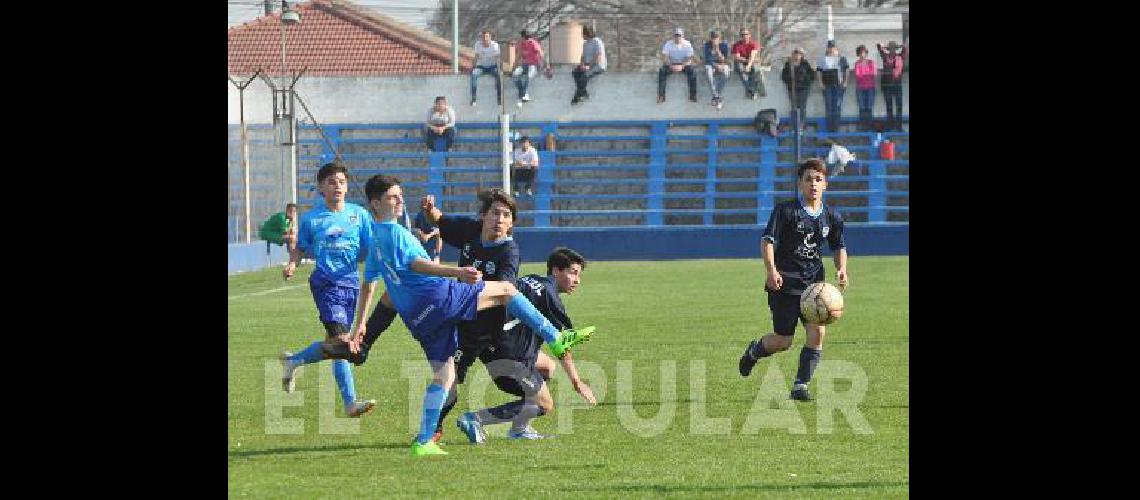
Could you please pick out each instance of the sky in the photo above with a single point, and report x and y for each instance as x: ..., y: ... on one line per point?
x: 413, y: 12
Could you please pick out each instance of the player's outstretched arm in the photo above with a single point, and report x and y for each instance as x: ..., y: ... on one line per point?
x: 841, y: 267
x: 774, y: 281
x: 433, y: 213
x: 465, y: 274
x: 580, y: 387
x: 362, y: 303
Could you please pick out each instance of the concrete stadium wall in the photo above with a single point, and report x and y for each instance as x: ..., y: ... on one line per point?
x: 635, y: 243
x: 613, y: 96
x: 251, y: 257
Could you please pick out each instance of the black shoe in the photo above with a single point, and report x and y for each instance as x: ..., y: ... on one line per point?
x: 693, y: 98
x: 747, y: 361
x: 575, y: 100
x: 801, y: 394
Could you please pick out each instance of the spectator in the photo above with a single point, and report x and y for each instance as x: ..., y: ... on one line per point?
x: 428, y: 234
x: 797, y: 76
x: 744, y: 54
x: 280, y: 228
x: 677, y: 57
x: 864, y: 87
x: 440, y: 123
x: 891, y: 82
x: 833, y: 71
x: 486, y: 62
x: 531, y: 57
x: 593, y: 63
x: 716, y: 53
x: 525, y: 166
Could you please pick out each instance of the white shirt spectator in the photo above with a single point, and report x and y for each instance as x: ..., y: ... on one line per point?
x: 487, y: 56
x: 677, y: 54
x: 446, y: 118
x: 530, y: 157
x: 594, y: 53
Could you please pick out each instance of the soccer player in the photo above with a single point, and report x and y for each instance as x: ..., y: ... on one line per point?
x: 791, y: 244
x: 512, y: 361
x: 431, y: 306
x: 337, y: 235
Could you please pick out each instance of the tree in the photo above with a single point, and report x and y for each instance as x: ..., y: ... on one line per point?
x: 633, y: 30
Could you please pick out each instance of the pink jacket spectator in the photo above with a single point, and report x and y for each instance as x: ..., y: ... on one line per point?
x: 865, y: 74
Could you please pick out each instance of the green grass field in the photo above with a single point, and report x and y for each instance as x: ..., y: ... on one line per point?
x: 678, y: 326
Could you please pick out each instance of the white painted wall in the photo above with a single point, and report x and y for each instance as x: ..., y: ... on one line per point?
x: 614, y: 96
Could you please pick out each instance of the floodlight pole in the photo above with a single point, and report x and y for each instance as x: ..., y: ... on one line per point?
x: 455, y: 36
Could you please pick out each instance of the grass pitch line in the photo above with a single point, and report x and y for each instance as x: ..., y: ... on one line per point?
x: 264, y: 292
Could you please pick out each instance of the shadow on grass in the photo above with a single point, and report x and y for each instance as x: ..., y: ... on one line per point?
x: 319, y: 449
x: 680, y: 488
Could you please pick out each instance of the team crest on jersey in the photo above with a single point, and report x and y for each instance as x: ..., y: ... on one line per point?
x: 490, y: 269
x: 825, y: 230
x: 352, y: 219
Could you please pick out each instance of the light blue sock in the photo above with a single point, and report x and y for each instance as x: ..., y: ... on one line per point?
x: 311, y: 354
x: 521, y: 308
x: 434, y: 398
x: 342, y: 371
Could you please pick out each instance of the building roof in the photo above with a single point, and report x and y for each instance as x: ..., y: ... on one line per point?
x: 340, y: 38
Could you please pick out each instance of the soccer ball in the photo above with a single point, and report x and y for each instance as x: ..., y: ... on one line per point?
x: 821, y: 303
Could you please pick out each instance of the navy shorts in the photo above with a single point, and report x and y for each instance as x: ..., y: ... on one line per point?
x: 513, y: 376
x: 335, y: 304
x: 473, y: 341
x: 434, y: 320
x: 785, y: 311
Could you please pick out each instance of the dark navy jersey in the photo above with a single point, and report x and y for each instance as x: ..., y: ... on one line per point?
x: 498, y: 261
x: 520, y: 342
x: 797, y: 236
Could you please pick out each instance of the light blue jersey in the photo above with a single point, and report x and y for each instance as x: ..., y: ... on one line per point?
x: 337, y: 241
x: 394, y: 251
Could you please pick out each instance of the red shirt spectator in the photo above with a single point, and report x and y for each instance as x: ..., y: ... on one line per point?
x: 530, y: 52
x: 744, y: 48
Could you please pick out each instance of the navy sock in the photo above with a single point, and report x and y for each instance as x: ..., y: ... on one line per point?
x: 809, y: 358
x: 757, y: 351
x: 452, y: 398
x: 502, y: 413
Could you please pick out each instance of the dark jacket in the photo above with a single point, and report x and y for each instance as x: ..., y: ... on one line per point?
x: 804, y: 76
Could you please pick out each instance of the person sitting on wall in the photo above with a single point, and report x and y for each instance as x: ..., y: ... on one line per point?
x: 593, y: 63
x: 440, y: 123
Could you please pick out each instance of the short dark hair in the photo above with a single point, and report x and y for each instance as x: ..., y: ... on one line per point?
x: 329, y: 169
x: 563, y: 258
x: 484, y: 32
x: 440, y: 98
x: 525, y: 138
x: 378, y: 185
x: 860, y: 49
x: 290, y: 205
x: 490, y: 196
x: 587, y: 31
x: 811, y: 164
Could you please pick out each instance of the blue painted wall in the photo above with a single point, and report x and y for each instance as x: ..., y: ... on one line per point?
x: 251, y: 257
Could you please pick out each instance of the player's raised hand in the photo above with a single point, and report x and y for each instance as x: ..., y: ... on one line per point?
x: 841, y: 275
x: 469, y: 275
x: 427, y: 203
x: 290, y: 268
x: 774, y: 282
x: 584, y: 390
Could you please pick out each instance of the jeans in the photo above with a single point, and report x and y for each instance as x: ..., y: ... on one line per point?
x: 892, y: 94
x: 523, y: 176
x: 664, y: 73
x: 523, y: 80
x: 581, y: 77
x: 800, y: 102
x: 448, y: 138
x: 717, y: 80
x: 477, y: 71
x: 866, y: 98
x: 833, y: 100
x: 747, y: 78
